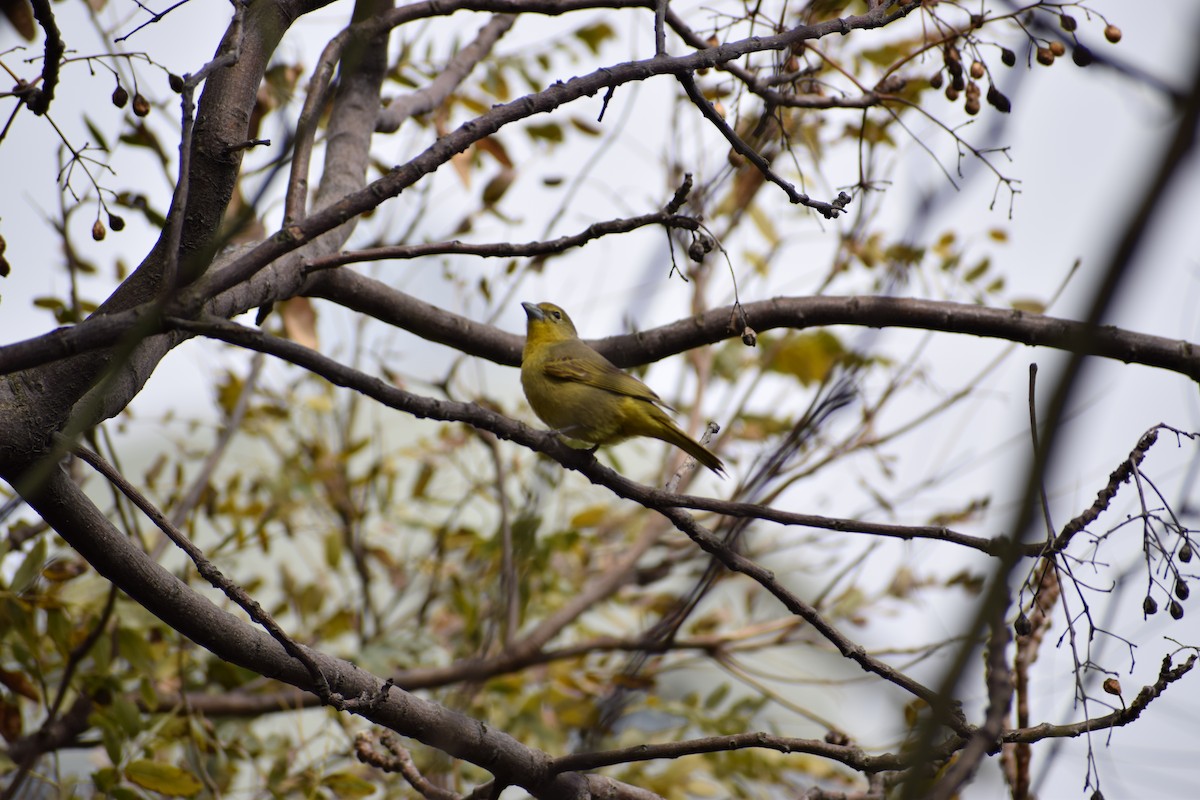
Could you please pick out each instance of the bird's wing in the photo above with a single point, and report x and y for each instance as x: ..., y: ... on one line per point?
x: 601, y: 373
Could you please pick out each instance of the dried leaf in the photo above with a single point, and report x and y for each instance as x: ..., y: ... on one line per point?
x: 300, y: 321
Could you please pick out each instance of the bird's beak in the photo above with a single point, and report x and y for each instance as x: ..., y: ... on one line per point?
x: 533, y: 312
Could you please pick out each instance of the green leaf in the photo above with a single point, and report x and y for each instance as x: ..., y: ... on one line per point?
x: 550, y: 132
x: 141, y: 136
x: 101, y: 142
x: 30, y: 568
x: 716, y: 697
x: 595, y: 35
x: 345, y: 784
x: 165, y: 779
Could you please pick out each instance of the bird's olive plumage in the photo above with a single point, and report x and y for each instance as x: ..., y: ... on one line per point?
x: 584, y: 396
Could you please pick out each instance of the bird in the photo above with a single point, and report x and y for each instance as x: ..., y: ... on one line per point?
x: 582, y: 395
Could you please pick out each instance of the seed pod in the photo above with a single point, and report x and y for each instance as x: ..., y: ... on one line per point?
x: 1067, y: 23
x: 1112, y: 33
x: 977, y: 70
x: 955, y: 69
x: 998, y: 100
x: 972, y: 106
x: 119, y: 96
x: 1149, y: 606
x: 1058, y: 48
x: 115, y: 222
x: 1022, y: 625
x: 1008, y: 57
x: 141, y: 106
x: 176, y: 83
x: 1112, y: 686
x: 98, y: 231
x: 1081, y: 56
x: 936, y: 80
x: 1045, y: 56
x: 1176, y: 610
x: 1185, y: 552
x: 951, y: 93
x: 1181, y: 589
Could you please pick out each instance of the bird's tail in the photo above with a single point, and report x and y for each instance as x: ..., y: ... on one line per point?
x: 671, y: 433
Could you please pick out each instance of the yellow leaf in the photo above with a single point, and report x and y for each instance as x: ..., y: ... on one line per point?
x: 590, y: 517
x: 165, y: 779
x: 1032, y: 306
x: 765, y: 225
x: 808, y: 356
x: 300, y: 321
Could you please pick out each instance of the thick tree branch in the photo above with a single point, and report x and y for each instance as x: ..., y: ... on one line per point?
x: 70, y: 512
x: 583, y: 462
x: 399, y: 179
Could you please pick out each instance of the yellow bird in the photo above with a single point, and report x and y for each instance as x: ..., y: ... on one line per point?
x: 584, y: 396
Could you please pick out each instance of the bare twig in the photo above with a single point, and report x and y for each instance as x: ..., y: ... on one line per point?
x: 828, y: 210
x: 507, y: 249
x: 449, y: 78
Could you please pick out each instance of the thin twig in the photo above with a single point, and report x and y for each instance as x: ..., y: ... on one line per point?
x: 205, y: 567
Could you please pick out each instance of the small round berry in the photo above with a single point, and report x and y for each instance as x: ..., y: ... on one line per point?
x: 1008, y: 57
x: 951, y: 93
x: 117, y: 223
x: 120, y: 97
x: 141, y: 106
x: 977, y: 70
x: 972, y: 106
x: 1176, y: 610
x: 1068, y: 23
x: 98, y: 231
x: 1045, y: 56
x: 176, y: 83
x: 1112, y: 33
x: 1022, y: 625
x: 936, y: 80
x: 1181, y: 589
x: 1081, y: 56
x: 1058, y: 48
x: 1185, y: 552
x: 1149, y: 606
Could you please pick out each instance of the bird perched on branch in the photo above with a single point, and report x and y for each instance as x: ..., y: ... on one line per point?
x: 584, y: 396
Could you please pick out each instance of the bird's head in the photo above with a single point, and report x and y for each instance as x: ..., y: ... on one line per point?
x: 547, y: 322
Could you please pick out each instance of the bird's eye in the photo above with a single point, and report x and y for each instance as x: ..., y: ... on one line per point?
x: 556, y: 315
